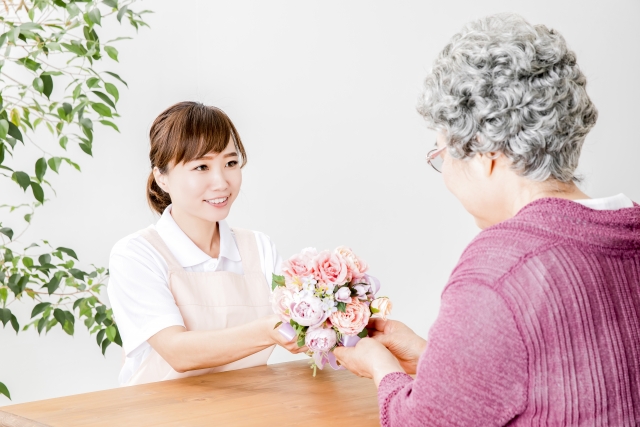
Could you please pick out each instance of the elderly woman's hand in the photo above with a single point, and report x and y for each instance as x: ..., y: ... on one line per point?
x: 368, y: 359
x: 401, y: 341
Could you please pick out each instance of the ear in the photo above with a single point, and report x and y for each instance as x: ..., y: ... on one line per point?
x: 161, y: 179
x: 489, y: 162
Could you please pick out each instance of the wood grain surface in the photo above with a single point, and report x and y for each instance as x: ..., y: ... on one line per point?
x: 285, y: 394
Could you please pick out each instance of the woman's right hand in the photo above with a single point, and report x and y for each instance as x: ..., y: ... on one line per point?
x: 401, y: 341
x: 277, y: 338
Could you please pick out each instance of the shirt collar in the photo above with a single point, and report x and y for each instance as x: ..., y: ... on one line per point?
x: 188, y: 253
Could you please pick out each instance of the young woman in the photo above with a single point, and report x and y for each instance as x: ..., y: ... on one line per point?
x: 190, y: 294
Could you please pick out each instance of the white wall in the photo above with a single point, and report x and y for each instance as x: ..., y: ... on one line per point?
x: 323, y: 94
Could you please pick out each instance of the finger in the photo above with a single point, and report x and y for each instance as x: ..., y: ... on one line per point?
x: 377, y: 324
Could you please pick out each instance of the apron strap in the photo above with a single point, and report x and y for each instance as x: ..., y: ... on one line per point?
x: 152, y: 236
x: 248, y: 248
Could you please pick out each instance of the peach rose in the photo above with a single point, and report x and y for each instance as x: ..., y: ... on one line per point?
x: 353, y: 320
x: 381, y: 307
x: 356, y: 267
x: 299, y: 265
x: 329, y: 268
x: 281, y: 299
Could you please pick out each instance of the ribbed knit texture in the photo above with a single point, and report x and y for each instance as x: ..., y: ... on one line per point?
x: 539, y: 326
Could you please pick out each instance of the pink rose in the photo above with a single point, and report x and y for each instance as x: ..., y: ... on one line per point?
x: 381, y: 307
x: 308, y: 311
x: 299, y: 265
x: 329, y: 268
x: 356, y: 266
x: 281, y: 300
x: 353, y: 320
x: 320, y: 339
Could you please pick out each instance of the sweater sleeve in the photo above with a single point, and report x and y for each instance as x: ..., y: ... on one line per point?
x: 472, y: 373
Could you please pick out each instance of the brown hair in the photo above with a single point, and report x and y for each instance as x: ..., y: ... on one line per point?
x: 184, y: 132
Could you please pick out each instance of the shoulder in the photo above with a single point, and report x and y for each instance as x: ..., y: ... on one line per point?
x: 135, y: 251
x: 497, y: 252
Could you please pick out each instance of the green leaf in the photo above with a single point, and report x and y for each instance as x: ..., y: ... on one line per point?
x: 15, y: 132
x: 105, y: 344
x: 76, y: 92
x: 374, y: 310
x: 63, y: 142
x: 68, y: 327
x: 48, y: 84
x: 101, y: 109
x: 54, y: 163
x: 29, y: 63
x: 75, y: 165
x: 342, y: 307
x: 105, y: 98
x: 4, y: 127
x: 363, y: 333
x: 75, y: 47
x: 78, y: 274
x: 4, y: 390
x: 3, y: 39
x: 41, y: 168
x: 68, y: 251
x: 112, y: 52
x: 7, y: 232
x: 118, y: 339
x: 53, y: 284
x: 111, y: 333
x: 67, y: 108
x: 112, y: 90
x: 38, y: 193
x: 78, y: 302
x: 121, y: 13
x: 111, y: 3
x: 44, y: 259
x: 59, y: 315
x: 22, y: 179
x: 276, y: 281
x: 95, y: 15
x: 28, y: 262
x: 5, y: 316
x: 38, y: 84
x: 301, y: 340
x: 277, y: 324
x: 100, y: 336
x: 86, y: 123
x: 39, y: 308
x: 86, y: 147
x: 93, y: 82
x: 41, y: 324
x: 108, y: 123
x: 27, y: 217
x: 117, y: 77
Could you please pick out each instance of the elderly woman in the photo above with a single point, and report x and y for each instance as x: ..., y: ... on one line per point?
x: 540, y: 320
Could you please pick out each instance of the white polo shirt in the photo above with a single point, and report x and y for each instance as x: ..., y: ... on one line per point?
x: 138, y: 286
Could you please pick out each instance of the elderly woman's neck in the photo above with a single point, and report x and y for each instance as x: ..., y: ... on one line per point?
x: 527, y: 191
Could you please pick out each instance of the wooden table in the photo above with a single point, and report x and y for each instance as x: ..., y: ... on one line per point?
x: 285, y: 394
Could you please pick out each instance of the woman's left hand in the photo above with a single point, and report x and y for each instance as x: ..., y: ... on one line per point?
x: 368, y: 359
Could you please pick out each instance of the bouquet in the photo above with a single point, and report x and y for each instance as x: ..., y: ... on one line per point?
x: 325, y: 299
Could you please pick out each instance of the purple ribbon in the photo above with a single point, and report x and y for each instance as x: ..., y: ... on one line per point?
x: 287, y: 331
x: 350, y: 340
x: 374, y: 282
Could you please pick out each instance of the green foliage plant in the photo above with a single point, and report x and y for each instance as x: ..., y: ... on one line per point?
x: 52, y: 83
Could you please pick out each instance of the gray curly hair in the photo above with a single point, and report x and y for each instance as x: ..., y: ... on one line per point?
x: 504, y: 85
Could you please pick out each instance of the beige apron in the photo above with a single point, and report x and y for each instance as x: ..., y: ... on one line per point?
x: 209, y: 301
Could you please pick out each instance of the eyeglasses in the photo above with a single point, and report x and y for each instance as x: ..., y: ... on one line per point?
x: 435, y: 159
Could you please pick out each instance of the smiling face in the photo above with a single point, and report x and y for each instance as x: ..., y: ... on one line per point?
x: 203, y: 188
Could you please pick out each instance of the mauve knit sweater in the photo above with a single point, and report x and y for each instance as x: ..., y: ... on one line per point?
x: 539, y: 326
